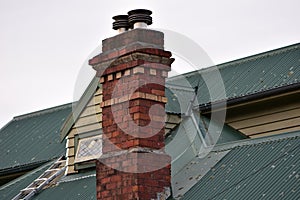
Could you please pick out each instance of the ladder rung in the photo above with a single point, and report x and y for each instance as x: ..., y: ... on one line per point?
x: 60, y: 161
x: 41, y: 179
x: 31, y: 189
x: 27, y: 189
x: 52, y: 170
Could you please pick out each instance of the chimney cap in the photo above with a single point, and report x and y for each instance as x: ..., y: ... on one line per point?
x: 140, y: 11
x: 140, y: 15
x: 121, y: 21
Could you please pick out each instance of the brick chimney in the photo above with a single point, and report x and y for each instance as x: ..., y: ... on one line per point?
x: 132, y: 68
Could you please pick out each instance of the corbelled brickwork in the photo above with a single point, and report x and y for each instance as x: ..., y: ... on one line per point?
x: 132, y: 70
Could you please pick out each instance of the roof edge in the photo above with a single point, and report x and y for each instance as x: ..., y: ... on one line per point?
x: 3, y: 127
x: 24, y: 176
x: 42, y: 112
x: 78, y: 107
x: 24, y: 167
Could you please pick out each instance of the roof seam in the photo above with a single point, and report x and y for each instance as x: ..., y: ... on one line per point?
x: 256, y: 141
x: 76, y: 179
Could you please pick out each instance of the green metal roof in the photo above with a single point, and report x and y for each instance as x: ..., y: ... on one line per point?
x: 184, y: 146
x: 32, y: 138
x: 184, y: 143
x: 74, y: 187
x: 11, y: 189
x: 265, y: 170
x: 243, y: 77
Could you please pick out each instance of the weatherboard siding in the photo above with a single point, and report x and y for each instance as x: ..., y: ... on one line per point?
x: 172, y: 121
x: 267, y: 118
x: 91, y: 110
x: 91, y: 117
x: 88, y: 120
x: 272, y: 116
x: 288, y: 130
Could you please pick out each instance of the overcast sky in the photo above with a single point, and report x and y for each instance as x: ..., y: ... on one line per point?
x: 43, y: 43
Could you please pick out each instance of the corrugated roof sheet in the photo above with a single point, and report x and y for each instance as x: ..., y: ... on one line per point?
x: 267, y: 170
x: 32, y: 138
x: 10, y: 190
x: 184, y: 146
x: 246, y: 76
x: 184, y: 143
x: 75, y: 187
x: 193, y: 171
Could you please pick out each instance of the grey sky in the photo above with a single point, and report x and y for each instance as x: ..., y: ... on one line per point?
x: 43, y: 44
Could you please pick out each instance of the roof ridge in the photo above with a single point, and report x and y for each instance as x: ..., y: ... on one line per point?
x: 260, y: 55
x: 42, y: 112
x: 240, y: 60
x: 256, y: 141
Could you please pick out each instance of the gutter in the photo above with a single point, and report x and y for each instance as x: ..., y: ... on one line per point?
x: 206, y: 108
x: 24, y: 167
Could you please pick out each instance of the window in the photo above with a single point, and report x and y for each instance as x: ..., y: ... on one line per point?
x: 89, y: 148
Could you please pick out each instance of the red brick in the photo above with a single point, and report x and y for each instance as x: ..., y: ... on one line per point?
x: 105, y: 180
x: 158, y: 92
x: 105, y: 193
x: 111, y: 186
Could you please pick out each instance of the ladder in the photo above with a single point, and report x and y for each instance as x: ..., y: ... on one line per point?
x: 55, y: 170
